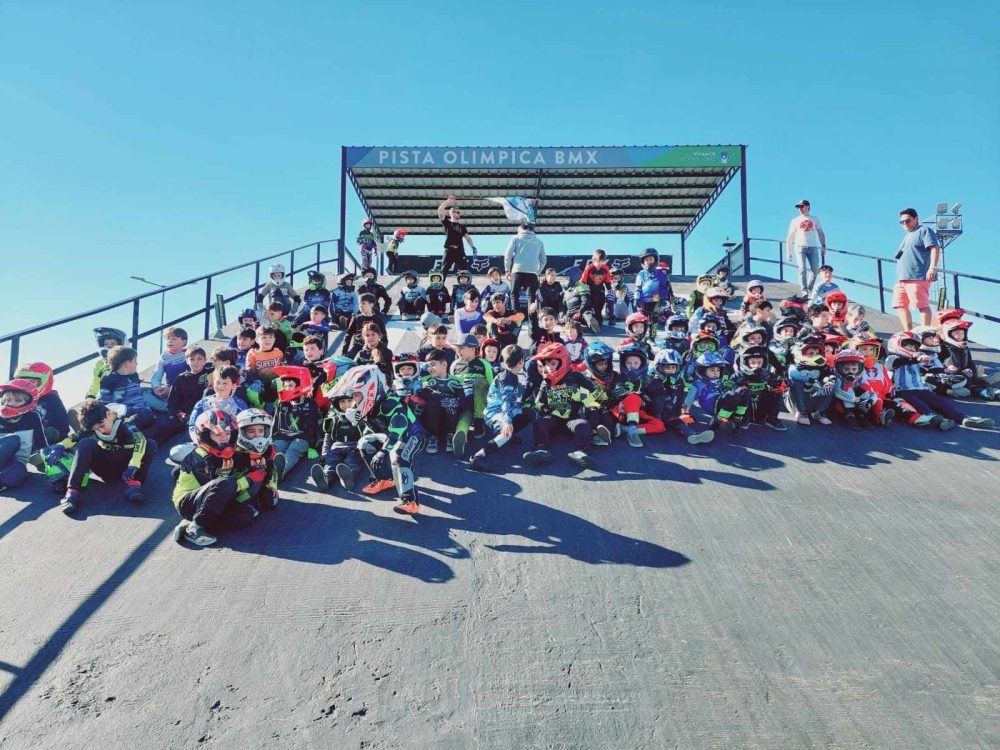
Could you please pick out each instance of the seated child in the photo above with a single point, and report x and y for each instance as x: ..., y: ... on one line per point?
x: 579, y: 307
x: 278, y: 290
x: 667, y: 368
x: 836, y: 301
x: 211, y: 495
x: 122, y: 386
x: 639, y: 395
x: 296, y: 420
x: 107, y: 339
x: 187, y: 390
x: 501, y: 324
x: 760, y: 314
x: 49, y: 407
x: 957, y: 358
x: 697, y: 299
x: 223, y: 398
x: 255, y: 453
x: 246, y: 319
x: 375, y: 352
x: 722, y: 279
x: 620, y: 301
x: 823, y: 285
x: 445, y: 401
x: 412, y: 298
x: 109, y: 445
x: 469, y: 314
x: 262, y: 360
x: 341, y: 458
x: 282, y: 326
x: 550, y: 292
x: 490, y: 351
x: 597, y: 263
x: 343, y: 301
x: 437, y: 340
x: 715, y: 391
x: 599, y: 406
x: 475, y: 376
x: 755, y: 371
x: 171, y: 364
x: 640, y: 332
x: 755, y: 292
x: 495, y: 285
x: 21, y: 431
x: 438, y: 299
x: 504, y: 414
x: 246, y: 340
x: 317, y: 295
x: 378, y: 292
x: 810, y: 386
x: 353, y: 339
x: 560, y: 403
x: 462, y: 287
x: 675, y: 336
x: 575, y: 344
x: 851, y: 390
x: 855, y: 323
x: 545, y: 332
x: 318, y: 324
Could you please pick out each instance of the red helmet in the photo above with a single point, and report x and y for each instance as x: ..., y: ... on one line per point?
x: 557, y: 351
x: 366, y: 223
x: 214, y: 423
x: 38, y: 371
x: 636, y: 317
x: 867, y: 340
x: 400, y: 234
x: 897, y: 340
x: 942, y: 316
x: 489, y: 342
x: 835, y: 296
x: 298, y: 373
x: 951, y: 325
x: 836, y: 339
x: 25, y: 389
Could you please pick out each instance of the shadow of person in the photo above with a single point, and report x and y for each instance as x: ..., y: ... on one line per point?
x: 324, y: 534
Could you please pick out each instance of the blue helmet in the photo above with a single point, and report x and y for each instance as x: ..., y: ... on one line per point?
x: 710, y: 359
x: 633, y: 350
x: 649, y: 252
x: 678, y: 320
x: 595, y: 351
x: 667, y: 357
x: 710, y: 317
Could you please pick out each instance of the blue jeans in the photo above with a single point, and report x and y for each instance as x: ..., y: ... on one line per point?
x: 294, y: 450
x: 810, y: 254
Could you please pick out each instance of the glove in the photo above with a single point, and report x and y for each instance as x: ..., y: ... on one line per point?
x: 129, y: 474
x: 256, y: 386
x: 687, y: 419
x: 312, y: 454
x: 380, y: 462
x: 258, y: 475
x: 53, y: 453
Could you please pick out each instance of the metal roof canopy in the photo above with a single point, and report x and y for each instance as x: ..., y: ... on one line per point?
x: 578, y: 190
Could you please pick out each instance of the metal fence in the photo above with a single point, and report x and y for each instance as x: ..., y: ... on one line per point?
x: 309, y: 256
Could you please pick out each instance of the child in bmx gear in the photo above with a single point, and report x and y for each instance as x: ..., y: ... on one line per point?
x: 391, y: 437
x: 852, y: 392
x: 392, y: 248
x: 296, y: 419
x: 667, y: 368
x: 371, y: 286
x: 21, y: 433
x: 277, y: 290
x: 505, y: 413
x: 717, y: 394
x: 810, y: 385
x: 412, y: 297
x: 639, y: 395
x: 341, y: 459
x: 755, y: 371
x: 366, y: 241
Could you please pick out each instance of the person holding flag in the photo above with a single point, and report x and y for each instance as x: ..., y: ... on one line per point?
x: 455, y: 233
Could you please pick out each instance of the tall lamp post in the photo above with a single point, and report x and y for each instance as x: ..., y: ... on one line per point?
x: 947, y: 224
x: 162, y: 300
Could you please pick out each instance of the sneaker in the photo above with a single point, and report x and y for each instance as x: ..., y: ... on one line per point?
x: 994, y: 379
x: 133, y: 493
x: 377, y: 485
x: 70, y: 503
x: 179, y: 530
x: 821, y: 418
x: 775, y: 424
x: 632, y: 435
x: 432, y: 444
x: 409, y: 508
x: 404, y: 317
x: 279, y: 466
x: 803, y: 419
x: 618, y: 430
x: 604, y: 434
x: 595, y: 326
x: 478, y: 429
x: 977, y: 423
x: 319, y: 478
x: 600, y: 442
x: 197, y: 535
x: 960, y: 392
x: 537, y: 457
x: 449, y: 443
x: 946, y: 424
x: 457, y: 444
x: 852, y: 423
x: 479, y: 463
x: 581, y: 459
x: 926, y: 420
x: 346, y: 476
x: 887, y: 416
x: 701, y: 437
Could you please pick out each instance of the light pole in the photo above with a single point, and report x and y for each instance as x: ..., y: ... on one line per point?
x: 162, y: 296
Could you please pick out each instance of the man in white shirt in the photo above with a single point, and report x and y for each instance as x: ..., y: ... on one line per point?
x: 805, y: 235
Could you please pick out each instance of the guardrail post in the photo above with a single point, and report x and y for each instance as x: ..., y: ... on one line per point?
x: 781, y: 261
x: 291, y: 270
x: 317, y: 256
x: 208, y: 305
x: 15, y: 353
x: 135, y: 325
x: 256, y: 278
x: 881, y: 295
x: 957, y: 299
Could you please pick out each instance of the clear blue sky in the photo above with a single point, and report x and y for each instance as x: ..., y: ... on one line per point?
x: 166, y: 140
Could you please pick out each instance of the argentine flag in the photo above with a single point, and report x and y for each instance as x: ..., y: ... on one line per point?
x: 517, y: 209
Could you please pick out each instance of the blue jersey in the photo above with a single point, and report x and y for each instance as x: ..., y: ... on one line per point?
x: 504, y: 399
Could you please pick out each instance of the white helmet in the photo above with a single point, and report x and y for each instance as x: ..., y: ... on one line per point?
x: 276, y: 268
x: 247, y: 418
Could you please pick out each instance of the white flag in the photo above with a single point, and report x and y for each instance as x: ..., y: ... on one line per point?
x: 517, y: 209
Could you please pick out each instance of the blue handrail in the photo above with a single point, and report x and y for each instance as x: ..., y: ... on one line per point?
x: 135, y: 301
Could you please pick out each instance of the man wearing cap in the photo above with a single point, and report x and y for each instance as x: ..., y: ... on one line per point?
x: 805, y: 235
x: 916, y: 264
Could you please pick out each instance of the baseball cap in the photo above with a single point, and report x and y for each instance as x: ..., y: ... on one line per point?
x: 803, y: 202
x: 467, y: 339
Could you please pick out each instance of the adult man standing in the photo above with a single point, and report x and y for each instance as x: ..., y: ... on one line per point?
x: 916, y: 268
x: 805, y: 235
x: 455, y: 232
x: 524, y: 261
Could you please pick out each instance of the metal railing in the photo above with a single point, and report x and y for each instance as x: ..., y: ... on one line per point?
x: 880, y: 287
x: 315, y: 260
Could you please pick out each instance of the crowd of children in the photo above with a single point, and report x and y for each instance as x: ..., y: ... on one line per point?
x: 277, y: 397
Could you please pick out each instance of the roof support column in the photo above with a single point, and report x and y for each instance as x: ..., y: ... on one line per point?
x: 343, y: 208
x: 683, y: 256
x: 743, y: 203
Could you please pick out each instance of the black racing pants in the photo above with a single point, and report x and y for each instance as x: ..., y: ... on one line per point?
x: 213, y: 506
x: 453, y: 256
x: 107, y: 464
x: 546, y: 426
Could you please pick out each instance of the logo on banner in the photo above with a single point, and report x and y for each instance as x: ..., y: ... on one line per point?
x: 480, y: 264
x: 621, y: 264
x: 724, y: 157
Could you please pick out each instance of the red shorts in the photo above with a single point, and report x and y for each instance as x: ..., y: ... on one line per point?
x: 915, y: 293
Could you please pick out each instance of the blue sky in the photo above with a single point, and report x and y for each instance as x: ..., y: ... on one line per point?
x: 170, y: 140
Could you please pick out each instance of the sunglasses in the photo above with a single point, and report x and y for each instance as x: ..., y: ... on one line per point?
x: 905, y: 221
